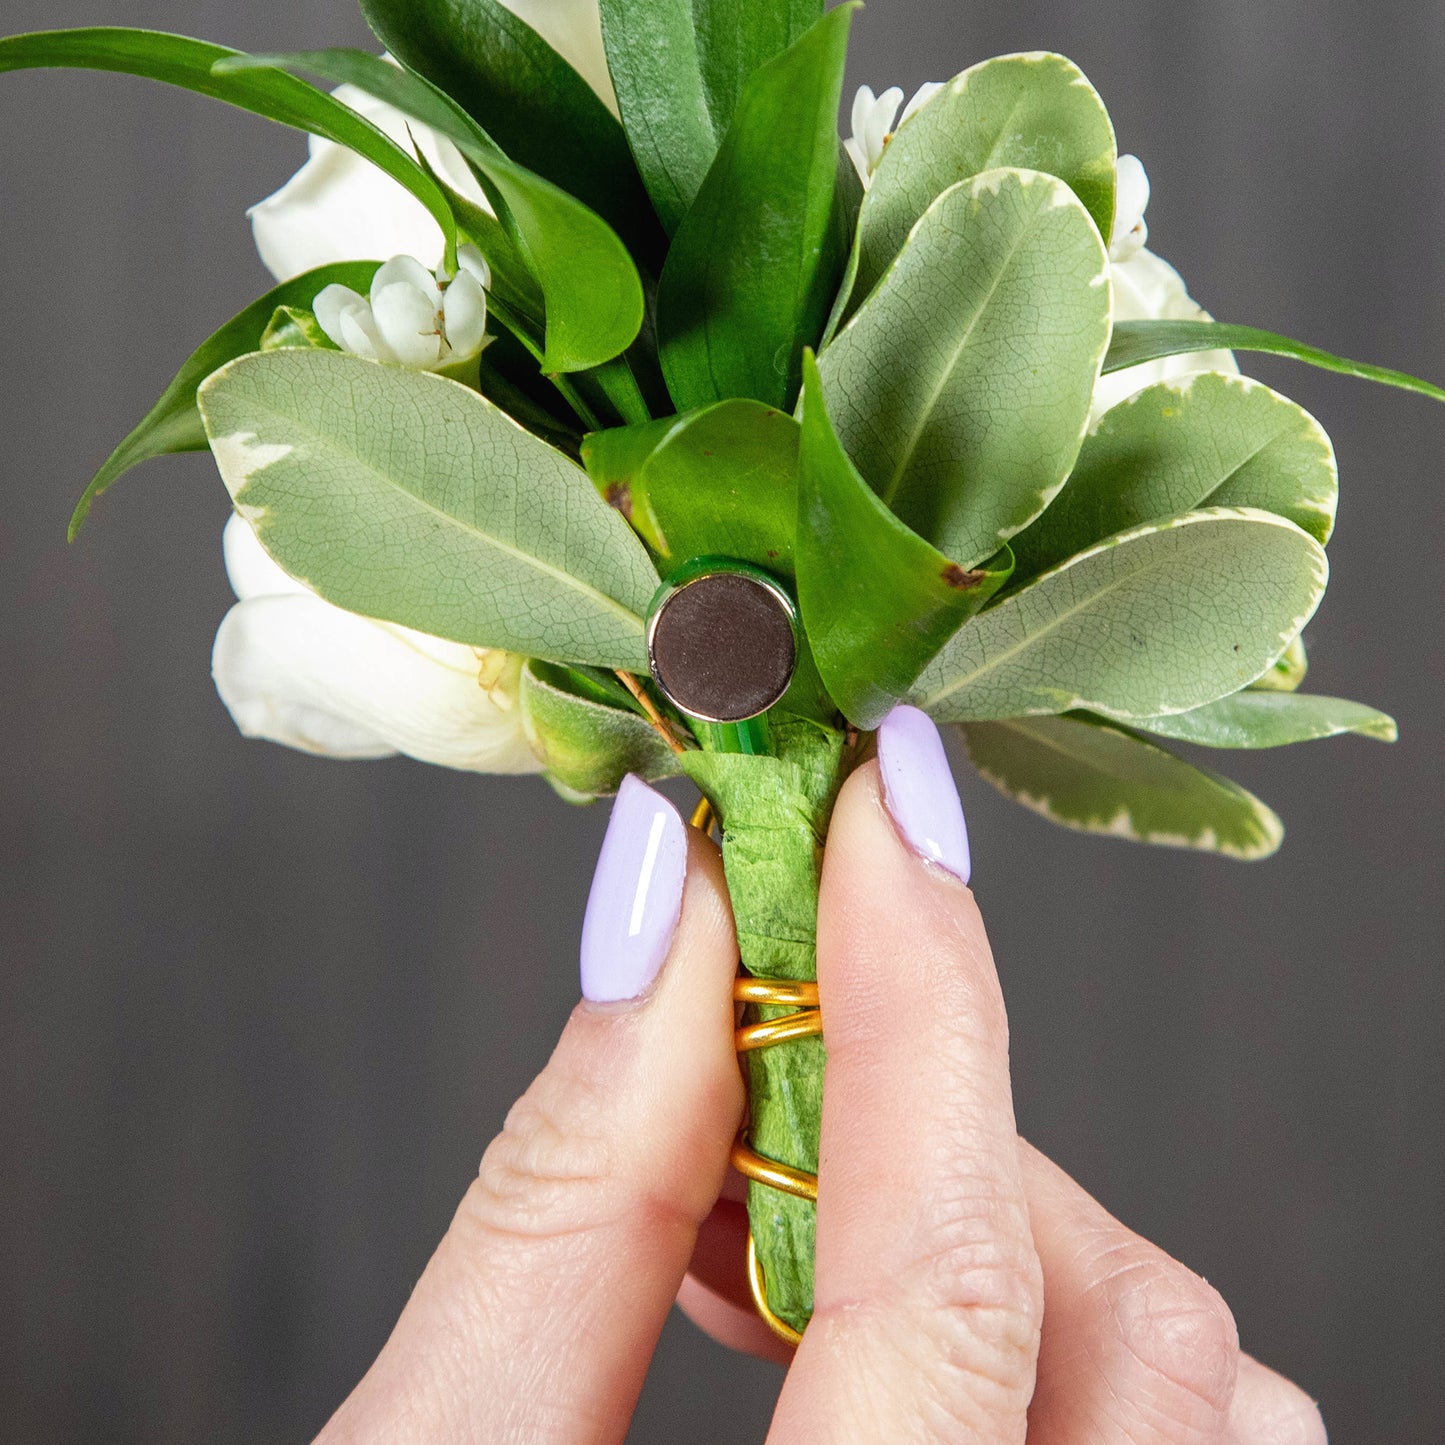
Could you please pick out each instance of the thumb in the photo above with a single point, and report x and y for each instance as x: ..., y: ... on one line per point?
x: 539, y: 1313
x: 928, y: 1292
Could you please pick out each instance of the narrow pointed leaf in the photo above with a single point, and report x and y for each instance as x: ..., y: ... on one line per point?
x: 1165, y: 618
x: 410, y: 498
x: 1096, y: 778
x: 178, y: 60
x: 877, y: 600
x: 1271, y: 720
x: 1035, y: 112
x: 679, y: 67
x: 528, y: 99
x: 593, y: 294
x: 1139, y: 341
x: 1203, y: 441
x: 174, y: 424
x: 756, y: 262
x: 961, y: 388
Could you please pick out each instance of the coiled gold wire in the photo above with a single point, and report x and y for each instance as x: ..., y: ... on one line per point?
x: 805, y: 1022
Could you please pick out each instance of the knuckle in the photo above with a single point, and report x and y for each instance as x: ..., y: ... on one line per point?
x: 1177, y: 1328
x: 550, y: 1172
x: 984, y: 1286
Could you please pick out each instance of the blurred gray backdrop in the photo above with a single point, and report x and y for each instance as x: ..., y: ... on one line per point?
x: 260, y: 1013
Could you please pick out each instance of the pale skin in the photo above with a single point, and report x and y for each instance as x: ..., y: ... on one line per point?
x: 967, y: 1289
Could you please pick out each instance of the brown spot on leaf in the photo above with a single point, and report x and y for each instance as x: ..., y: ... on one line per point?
x: 619, y: 495
x: 961, y: 579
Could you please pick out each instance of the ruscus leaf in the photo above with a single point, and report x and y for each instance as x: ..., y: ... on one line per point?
x: 679, y: 67
x: 174, y: 424
x: 190, y: 64
x: 1135, y: 342
x: 593, y: 294
x: 527, y: 98
x: 756, y: 261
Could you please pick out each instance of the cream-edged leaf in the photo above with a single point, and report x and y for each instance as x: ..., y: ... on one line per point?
x: 405, y: 496
x: 1157, y: 620
x: 1097, y: 778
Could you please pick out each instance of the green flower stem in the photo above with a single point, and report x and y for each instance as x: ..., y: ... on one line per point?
x: 774, y: 813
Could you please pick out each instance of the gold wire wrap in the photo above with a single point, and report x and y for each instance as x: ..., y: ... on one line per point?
x: 780, y: 1327
x: 805, y: 1022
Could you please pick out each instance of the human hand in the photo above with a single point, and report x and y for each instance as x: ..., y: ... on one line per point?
x: 966, y: 1288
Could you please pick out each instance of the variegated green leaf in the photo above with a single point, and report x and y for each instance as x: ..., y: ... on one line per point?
x: 1205, y: 440
x: 408, y: 497
x: 1161, y: 619
x: 1257, y: 719
x: 961, y: 389
x: 1097, y: 778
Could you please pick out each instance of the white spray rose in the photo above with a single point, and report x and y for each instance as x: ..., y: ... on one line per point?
x: 339, y: 207
x: 294, y: 669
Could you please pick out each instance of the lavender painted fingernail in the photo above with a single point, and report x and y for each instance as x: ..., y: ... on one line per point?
x: 919, y: 790
x: 636, y: 896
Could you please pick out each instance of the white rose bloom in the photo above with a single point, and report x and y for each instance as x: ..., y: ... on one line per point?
x: 295, y: 669
x: 1147, y: 288
x: 339, y: 207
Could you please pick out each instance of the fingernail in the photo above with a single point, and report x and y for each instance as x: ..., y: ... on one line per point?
x: 636, y: 896
x: 919, y: 790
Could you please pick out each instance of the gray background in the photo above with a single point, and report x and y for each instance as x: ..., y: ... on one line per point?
x: 259, y: 1013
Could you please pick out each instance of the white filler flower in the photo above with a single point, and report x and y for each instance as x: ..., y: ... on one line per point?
x: 1147, y: 288
x: 295, y: 669
x: 412, y: 317
x: 874, y: 119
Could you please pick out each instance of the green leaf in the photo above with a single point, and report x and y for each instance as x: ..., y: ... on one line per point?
x: 1205, y: 440
x: 1032, y: 112
x: 1139, y: 341
x: 1158, y: 620
x: 292, y: 326
x: 586, y: 745
x: 718, y: 481
x: 527, y: 98
x: 756, y: 261
x: 190, y: 64
x: 1271, y: 720
x: 408, y: 497
x: 961, y: 388
x: 679, y: 67
x: 592, y: 290
x: 877, y: 601
x: 1095, y: 778
x: 173, y: 424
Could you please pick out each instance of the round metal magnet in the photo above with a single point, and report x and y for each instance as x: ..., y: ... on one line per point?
x: 722, y: 640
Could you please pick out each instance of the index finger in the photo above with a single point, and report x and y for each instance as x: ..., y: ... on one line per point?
x: 928, y: 1297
